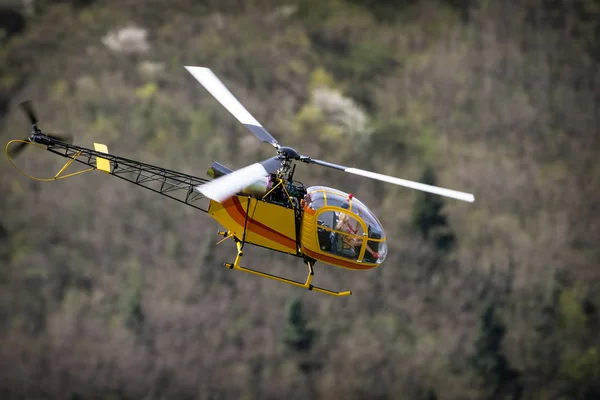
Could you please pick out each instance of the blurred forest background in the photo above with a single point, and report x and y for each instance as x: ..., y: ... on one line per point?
x: 109, y: 291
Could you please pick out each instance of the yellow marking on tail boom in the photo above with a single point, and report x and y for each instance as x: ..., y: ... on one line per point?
x: 102, y: 163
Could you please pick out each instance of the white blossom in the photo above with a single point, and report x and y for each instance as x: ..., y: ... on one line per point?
x: 130, y: 39
x: 285, y: 11
x: 342, y: 111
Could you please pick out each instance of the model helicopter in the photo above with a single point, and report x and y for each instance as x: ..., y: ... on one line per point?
x: 260, y: 204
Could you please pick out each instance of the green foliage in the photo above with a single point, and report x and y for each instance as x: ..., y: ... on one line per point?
x: 384, y: 11
x: 572, y: 316
x: 390, y: 138
x: 321, y: 78
x: 546, y: 342
x: 431, y: 395
x: 577, y: 18
x: 11, y: 23
x: 581, y: 371
x: 314, y: 12
x: 299, y: 339
x: 132, y: 309
x: 427, y: 215
x: 209, y: 273
x: 208, y: 252
x: 146, y: 91
x: 172, y: 244
x: 311, y: 119
x: 409, y: 134
x: 200, y: 126
x: 75, y: 396
x: 131, y: 300
x: 489, y: 361
x: 29, y: 311
x: 4, y: 241
x: 296, y: 336
x: 7, y: 82
x: 579, y: 362
x: 60, y: 88
x: 367, y: 60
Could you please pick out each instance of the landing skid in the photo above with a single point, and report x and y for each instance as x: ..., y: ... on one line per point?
x: 306, y: 285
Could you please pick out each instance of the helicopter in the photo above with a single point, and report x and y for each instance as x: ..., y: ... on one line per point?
x: 260, y: 204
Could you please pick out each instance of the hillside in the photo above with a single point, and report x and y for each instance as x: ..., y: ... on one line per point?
x: 110, y: 291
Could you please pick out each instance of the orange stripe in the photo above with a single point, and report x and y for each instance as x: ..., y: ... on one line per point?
x: 309, y: 211
x: 338, y: 262
x: 236, y: 211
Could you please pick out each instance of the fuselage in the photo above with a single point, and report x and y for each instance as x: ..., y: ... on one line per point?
x: 318, y: 223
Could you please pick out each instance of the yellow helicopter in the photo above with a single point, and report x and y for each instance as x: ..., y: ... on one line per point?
x: 259, y: 204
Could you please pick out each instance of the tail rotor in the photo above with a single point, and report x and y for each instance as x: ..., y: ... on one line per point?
x: 36, y: 132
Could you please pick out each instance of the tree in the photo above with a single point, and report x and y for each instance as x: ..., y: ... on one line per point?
x: 489, y: 362
x: 430, y: 394
x: 300, y: 340
x: 131, y: 300
x: 428, y: 217
x: 296, y: 336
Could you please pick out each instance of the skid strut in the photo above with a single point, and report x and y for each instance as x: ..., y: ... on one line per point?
x: 306, y: 285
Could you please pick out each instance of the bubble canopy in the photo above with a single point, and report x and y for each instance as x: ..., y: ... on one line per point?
x: 350, y: 230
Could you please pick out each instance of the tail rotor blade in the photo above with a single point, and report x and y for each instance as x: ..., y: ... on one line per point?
x: 28, y: 108
x: 220, y: 92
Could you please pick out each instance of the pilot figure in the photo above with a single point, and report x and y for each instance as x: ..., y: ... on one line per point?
x: 308, y: 200
x: 350, y: 243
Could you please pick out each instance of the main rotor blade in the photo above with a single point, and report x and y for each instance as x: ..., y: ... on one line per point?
x: 401, y: 182
x: 214, y: 85
x: 226, y: 186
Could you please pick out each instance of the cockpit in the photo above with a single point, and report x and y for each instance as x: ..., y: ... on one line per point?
x: 345, y: 226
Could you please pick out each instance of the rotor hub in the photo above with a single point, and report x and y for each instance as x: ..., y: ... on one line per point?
x: 289, y: 153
